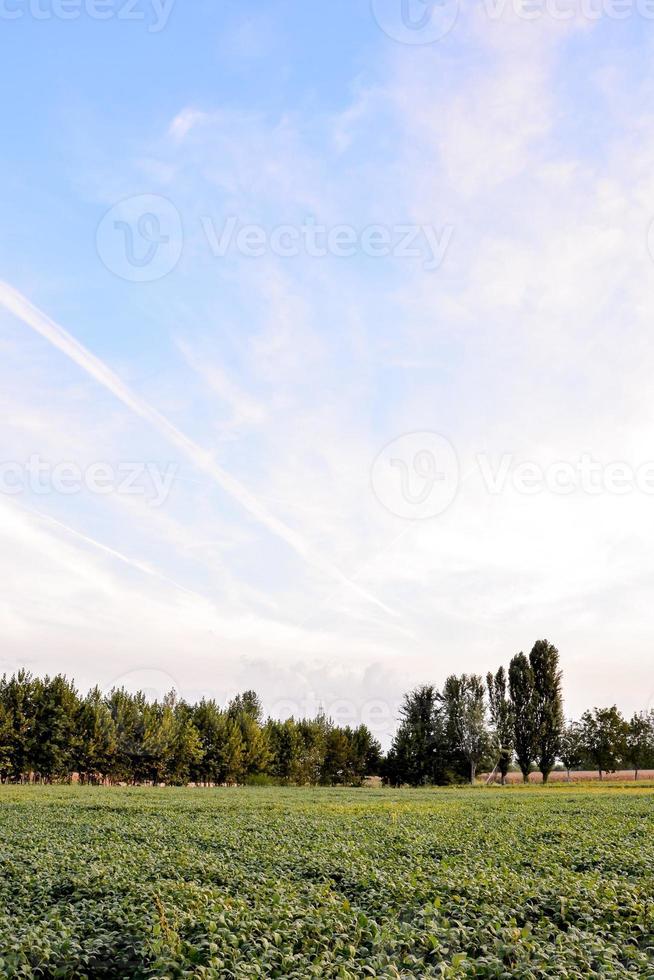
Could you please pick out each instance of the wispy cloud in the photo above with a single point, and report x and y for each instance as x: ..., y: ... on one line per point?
x: 140, y: 566
x: 244, y: 409
x: 17, y: 304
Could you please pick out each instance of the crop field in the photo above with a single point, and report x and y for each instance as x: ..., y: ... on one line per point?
x: 520, y: 882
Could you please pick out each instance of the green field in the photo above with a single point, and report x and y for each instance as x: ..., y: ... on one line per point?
x: 327, y: 883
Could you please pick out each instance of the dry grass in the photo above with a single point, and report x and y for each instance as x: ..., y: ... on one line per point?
x: 582, y: 776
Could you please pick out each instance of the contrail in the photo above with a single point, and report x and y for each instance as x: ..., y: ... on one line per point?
x: 98, y: 545
x: 21, y: 307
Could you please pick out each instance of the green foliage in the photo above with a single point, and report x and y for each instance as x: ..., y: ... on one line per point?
x: 247, y: 705
x: 287, y: 746
x: 96, y: 738
x: 17, y: 700
x: 547, y: 709
x: 604, y: 738
x: 640, y: 741
x: 48, y: 733
x: 221, y: 745
x: 501, y: 714
x: 339, y: 884
x: 521, y: 686
x: 537, y: 708
x: 419, y: 754
x: 6, y: 741
x: 464, y: 708
x: 572, y: 751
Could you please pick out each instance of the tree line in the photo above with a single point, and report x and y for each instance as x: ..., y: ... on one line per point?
x: 514, y: 717
x: 48, y: 732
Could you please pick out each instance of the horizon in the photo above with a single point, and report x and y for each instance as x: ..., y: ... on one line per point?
x: 382, y: 719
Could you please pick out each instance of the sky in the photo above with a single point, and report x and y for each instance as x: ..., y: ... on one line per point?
x: 326, y: 346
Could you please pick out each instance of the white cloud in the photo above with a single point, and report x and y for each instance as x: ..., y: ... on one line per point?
x: 183, y: 123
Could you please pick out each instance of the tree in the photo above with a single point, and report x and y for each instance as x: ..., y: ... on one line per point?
x: 571, y: 750
x: 232, y: 753
x: 96, y: 738
x: 17, y: 698
x: 158, y: 739
x: 521, y: 686
x: 418, y: 753
x: 501, y: 713
x: 640, y: 741
x: 211, y: 724
x: 604, y: 737
x: 365, y: 753
x: 128, y: 712
x: 185, y: 750
x: 248, y: 704
x: 286, y: 744
x: 547, y: 708
x: 54, y: 729
x: 6, y: 741
x: 245, y: 710
x: 257, y: 755
x: 336, y: 769
x: 314, y: 743
x: 464, y: 705
x: 172, y: 746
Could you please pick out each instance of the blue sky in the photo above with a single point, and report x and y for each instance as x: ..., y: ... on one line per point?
x: 273, y: 543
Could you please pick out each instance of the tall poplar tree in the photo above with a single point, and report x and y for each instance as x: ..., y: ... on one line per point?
x: 501, y: 713
x: 521, y: 686
x: 547, y: 710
